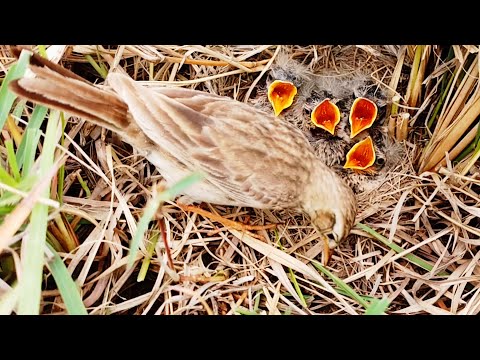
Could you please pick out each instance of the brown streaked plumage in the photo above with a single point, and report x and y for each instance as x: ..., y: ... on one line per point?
x: 248, y: 157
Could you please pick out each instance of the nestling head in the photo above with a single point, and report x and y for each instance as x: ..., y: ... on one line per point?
x: 331, y: 205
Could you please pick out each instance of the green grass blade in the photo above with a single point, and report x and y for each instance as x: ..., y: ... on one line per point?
x: 378, y: 307
x: 450, y: 55
x: 31, y: 137
x: 367, y: 298
x: 473, y: 146
x: 473, y: 159
x: 151, y: 208
x: 477, y: 136
x: 441, y: 100
x: 6, y: 178
x: 293, y: 278
x: 342, y: 285
x: 100, y: 70
x: 243, y: 311
x: 465, y: 152
x: 6, y: 209
x: 147, y: 259
x: 288, y: 311
x: 42, y: 51
x: 84, y: 185
x: 410, y: 257
x: 33, y: 247
x: 66, y: 285
x: 61, y: 171
x: 28, y: 147
x: 9, y: 199
x: 294, y: 281
x: 38, y: 116
x: 12, y: 159
x: 6, y: 96
x: 18, y: 109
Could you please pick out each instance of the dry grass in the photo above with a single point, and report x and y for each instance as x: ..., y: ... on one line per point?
x: 434, y: 215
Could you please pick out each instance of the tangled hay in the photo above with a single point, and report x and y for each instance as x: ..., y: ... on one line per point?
x: 433, y: 217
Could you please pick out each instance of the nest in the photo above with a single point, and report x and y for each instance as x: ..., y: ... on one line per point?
x: 415, y: 243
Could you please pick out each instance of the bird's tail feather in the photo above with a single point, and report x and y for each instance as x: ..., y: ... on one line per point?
x: 61, y: 89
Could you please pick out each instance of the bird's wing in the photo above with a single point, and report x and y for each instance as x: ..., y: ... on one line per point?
x: 256, y: 159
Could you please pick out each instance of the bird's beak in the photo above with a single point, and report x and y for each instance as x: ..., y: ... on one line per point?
x: 361, y: 156
x: 281, y: 95
x: 328, y: 248
x: 362, y: 115
x: 326, y: 115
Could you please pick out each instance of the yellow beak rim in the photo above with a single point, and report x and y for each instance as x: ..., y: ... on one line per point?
x: 361, y: 156
x: 363, y: 114
x: 326, y: 115
x: 281, y: 95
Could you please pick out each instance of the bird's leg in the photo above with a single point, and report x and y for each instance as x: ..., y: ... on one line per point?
x: 161, y: 225
x: 326, y: 250
x: 226, y: 222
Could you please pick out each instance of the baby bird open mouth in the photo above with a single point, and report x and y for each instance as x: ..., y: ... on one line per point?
x: 281, y: 94
x: 326, y: 115
x: 361, y: 156
x: 362, y: 115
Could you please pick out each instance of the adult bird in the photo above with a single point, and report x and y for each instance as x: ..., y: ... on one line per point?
x: 247, y: 156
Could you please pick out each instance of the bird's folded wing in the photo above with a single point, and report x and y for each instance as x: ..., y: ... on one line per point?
x: 255, y: 158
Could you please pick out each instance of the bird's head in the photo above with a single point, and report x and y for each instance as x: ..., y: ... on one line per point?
x: 331, y: 205
x: 284, y: 79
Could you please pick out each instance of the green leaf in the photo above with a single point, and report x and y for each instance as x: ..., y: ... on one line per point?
x: 243, y: 311
x: 33, y: 247
x: 42, y: 51
x: 6, y: 178
x: 101, y: 70
x: 342, y: 285
x: 12, y: 159
x: 294, y: 281
x: 6, y: 209
x: 410, y: 257
x: 9, y: 199
x: 84, y: 185
x: 61, y: 171
x: 28, y: 147
x: 378, y: 307
x: 66, y: 285
x: 32, y: 138
x: 147, y: 259
x: 6, y: 96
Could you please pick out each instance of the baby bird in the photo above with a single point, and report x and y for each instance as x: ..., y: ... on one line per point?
x: 284, y: 79
x: 329, y: 136
x: 352, y: 136
x: 343, y: 117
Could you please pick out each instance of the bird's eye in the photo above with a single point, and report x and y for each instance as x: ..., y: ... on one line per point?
x: 380, y: 161
x: 332, y: 236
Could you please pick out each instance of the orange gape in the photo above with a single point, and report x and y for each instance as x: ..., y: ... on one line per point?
x: 361, y: 156
x: 362, y: 115
x: 281, y: 95
x: 326, y: 115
